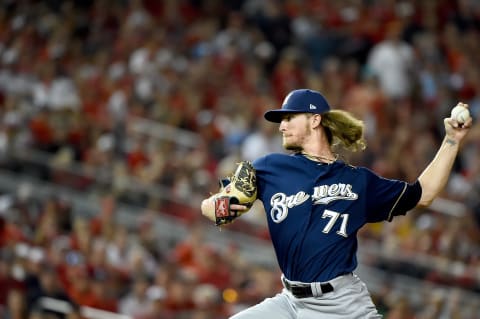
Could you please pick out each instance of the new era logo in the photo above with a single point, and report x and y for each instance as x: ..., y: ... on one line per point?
x: 312, y: 107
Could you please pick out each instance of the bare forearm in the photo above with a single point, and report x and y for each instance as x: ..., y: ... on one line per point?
x: 208, y: 208
x: 435, y: 176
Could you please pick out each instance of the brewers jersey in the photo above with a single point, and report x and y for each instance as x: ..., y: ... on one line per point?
x: 314, y: 211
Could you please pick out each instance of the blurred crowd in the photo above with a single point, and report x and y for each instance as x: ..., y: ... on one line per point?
x: 78, y: 77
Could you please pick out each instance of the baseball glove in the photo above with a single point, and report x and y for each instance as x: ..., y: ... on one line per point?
x: 240, y: 188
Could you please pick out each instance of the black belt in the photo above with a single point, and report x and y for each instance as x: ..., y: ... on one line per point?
x: 306, y: 291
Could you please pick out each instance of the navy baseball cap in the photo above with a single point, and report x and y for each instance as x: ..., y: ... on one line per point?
x: 299, y: 101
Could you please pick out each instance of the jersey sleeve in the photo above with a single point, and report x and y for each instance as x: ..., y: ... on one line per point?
x: 260, y: 164
x: 389, y: 197
x: 261, y: 168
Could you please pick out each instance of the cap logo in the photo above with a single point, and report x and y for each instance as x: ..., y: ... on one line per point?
x: 312, y: 107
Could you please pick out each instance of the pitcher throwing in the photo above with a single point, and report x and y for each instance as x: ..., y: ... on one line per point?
x: 315, y: 205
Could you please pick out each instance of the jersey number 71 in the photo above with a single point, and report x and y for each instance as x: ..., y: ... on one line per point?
x: 333, y: 218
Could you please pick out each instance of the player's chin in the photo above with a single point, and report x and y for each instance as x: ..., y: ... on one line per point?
x: 291, y: 146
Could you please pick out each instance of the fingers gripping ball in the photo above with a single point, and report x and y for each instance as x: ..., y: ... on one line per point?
x: 242, y: 189
x: 460, y: 113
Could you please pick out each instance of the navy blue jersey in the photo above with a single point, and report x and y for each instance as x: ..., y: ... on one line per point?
x: 314, y: 211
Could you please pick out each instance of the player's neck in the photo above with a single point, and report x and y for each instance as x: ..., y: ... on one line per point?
x: 324, y: 155
x: 320, y: 158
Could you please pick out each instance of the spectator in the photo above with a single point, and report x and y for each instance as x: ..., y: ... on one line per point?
x: 49, y: 287
x: 392, y: 60
x: 158, y: 308
x: 262, y: 140
x: 16, y: 305
x: 137, y: 302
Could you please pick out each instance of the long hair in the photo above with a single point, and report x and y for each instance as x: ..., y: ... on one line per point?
x: 343, y: 129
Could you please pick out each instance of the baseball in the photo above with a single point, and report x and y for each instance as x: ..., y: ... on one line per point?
x: 460, y: 113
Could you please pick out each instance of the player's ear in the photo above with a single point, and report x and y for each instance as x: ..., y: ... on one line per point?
x: 316, y: 120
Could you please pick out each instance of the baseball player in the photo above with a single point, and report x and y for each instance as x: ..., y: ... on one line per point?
x: 315, y: 205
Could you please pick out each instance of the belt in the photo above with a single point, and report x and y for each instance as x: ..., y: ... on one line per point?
x: 305, y: 291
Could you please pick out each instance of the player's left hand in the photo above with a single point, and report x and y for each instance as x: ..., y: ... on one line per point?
x: 208, y: 208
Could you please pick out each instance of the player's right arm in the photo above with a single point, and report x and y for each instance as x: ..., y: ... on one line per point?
x: 435, y: 176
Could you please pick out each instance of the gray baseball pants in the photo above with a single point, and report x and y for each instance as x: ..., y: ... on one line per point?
x: 349, y: 299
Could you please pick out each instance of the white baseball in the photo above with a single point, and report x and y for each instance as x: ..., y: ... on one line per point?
x: 460, y: 114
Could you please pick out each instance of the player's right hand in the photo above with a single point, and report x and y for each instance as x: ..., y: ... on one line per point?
x: 455, y: 130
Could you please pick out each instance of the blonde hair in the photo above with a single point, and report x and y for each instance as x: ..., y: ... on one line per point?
x: 343, y: 129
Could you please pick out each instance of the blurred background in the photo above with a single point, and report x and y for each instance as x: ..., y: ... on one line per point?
x: 118, y: 117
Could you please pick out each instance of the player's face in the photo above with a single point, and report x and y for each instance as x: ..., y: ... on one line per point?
x: 295, y: 129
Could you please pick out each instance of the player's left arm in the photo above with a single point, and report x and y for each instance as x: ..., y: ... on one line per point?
x: 210, y: 204
x: 435, y: 176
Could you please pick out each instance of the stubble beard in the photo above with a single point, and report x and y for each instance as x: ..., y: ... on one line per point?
x: 293, y: 148
x: 297, y: 146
